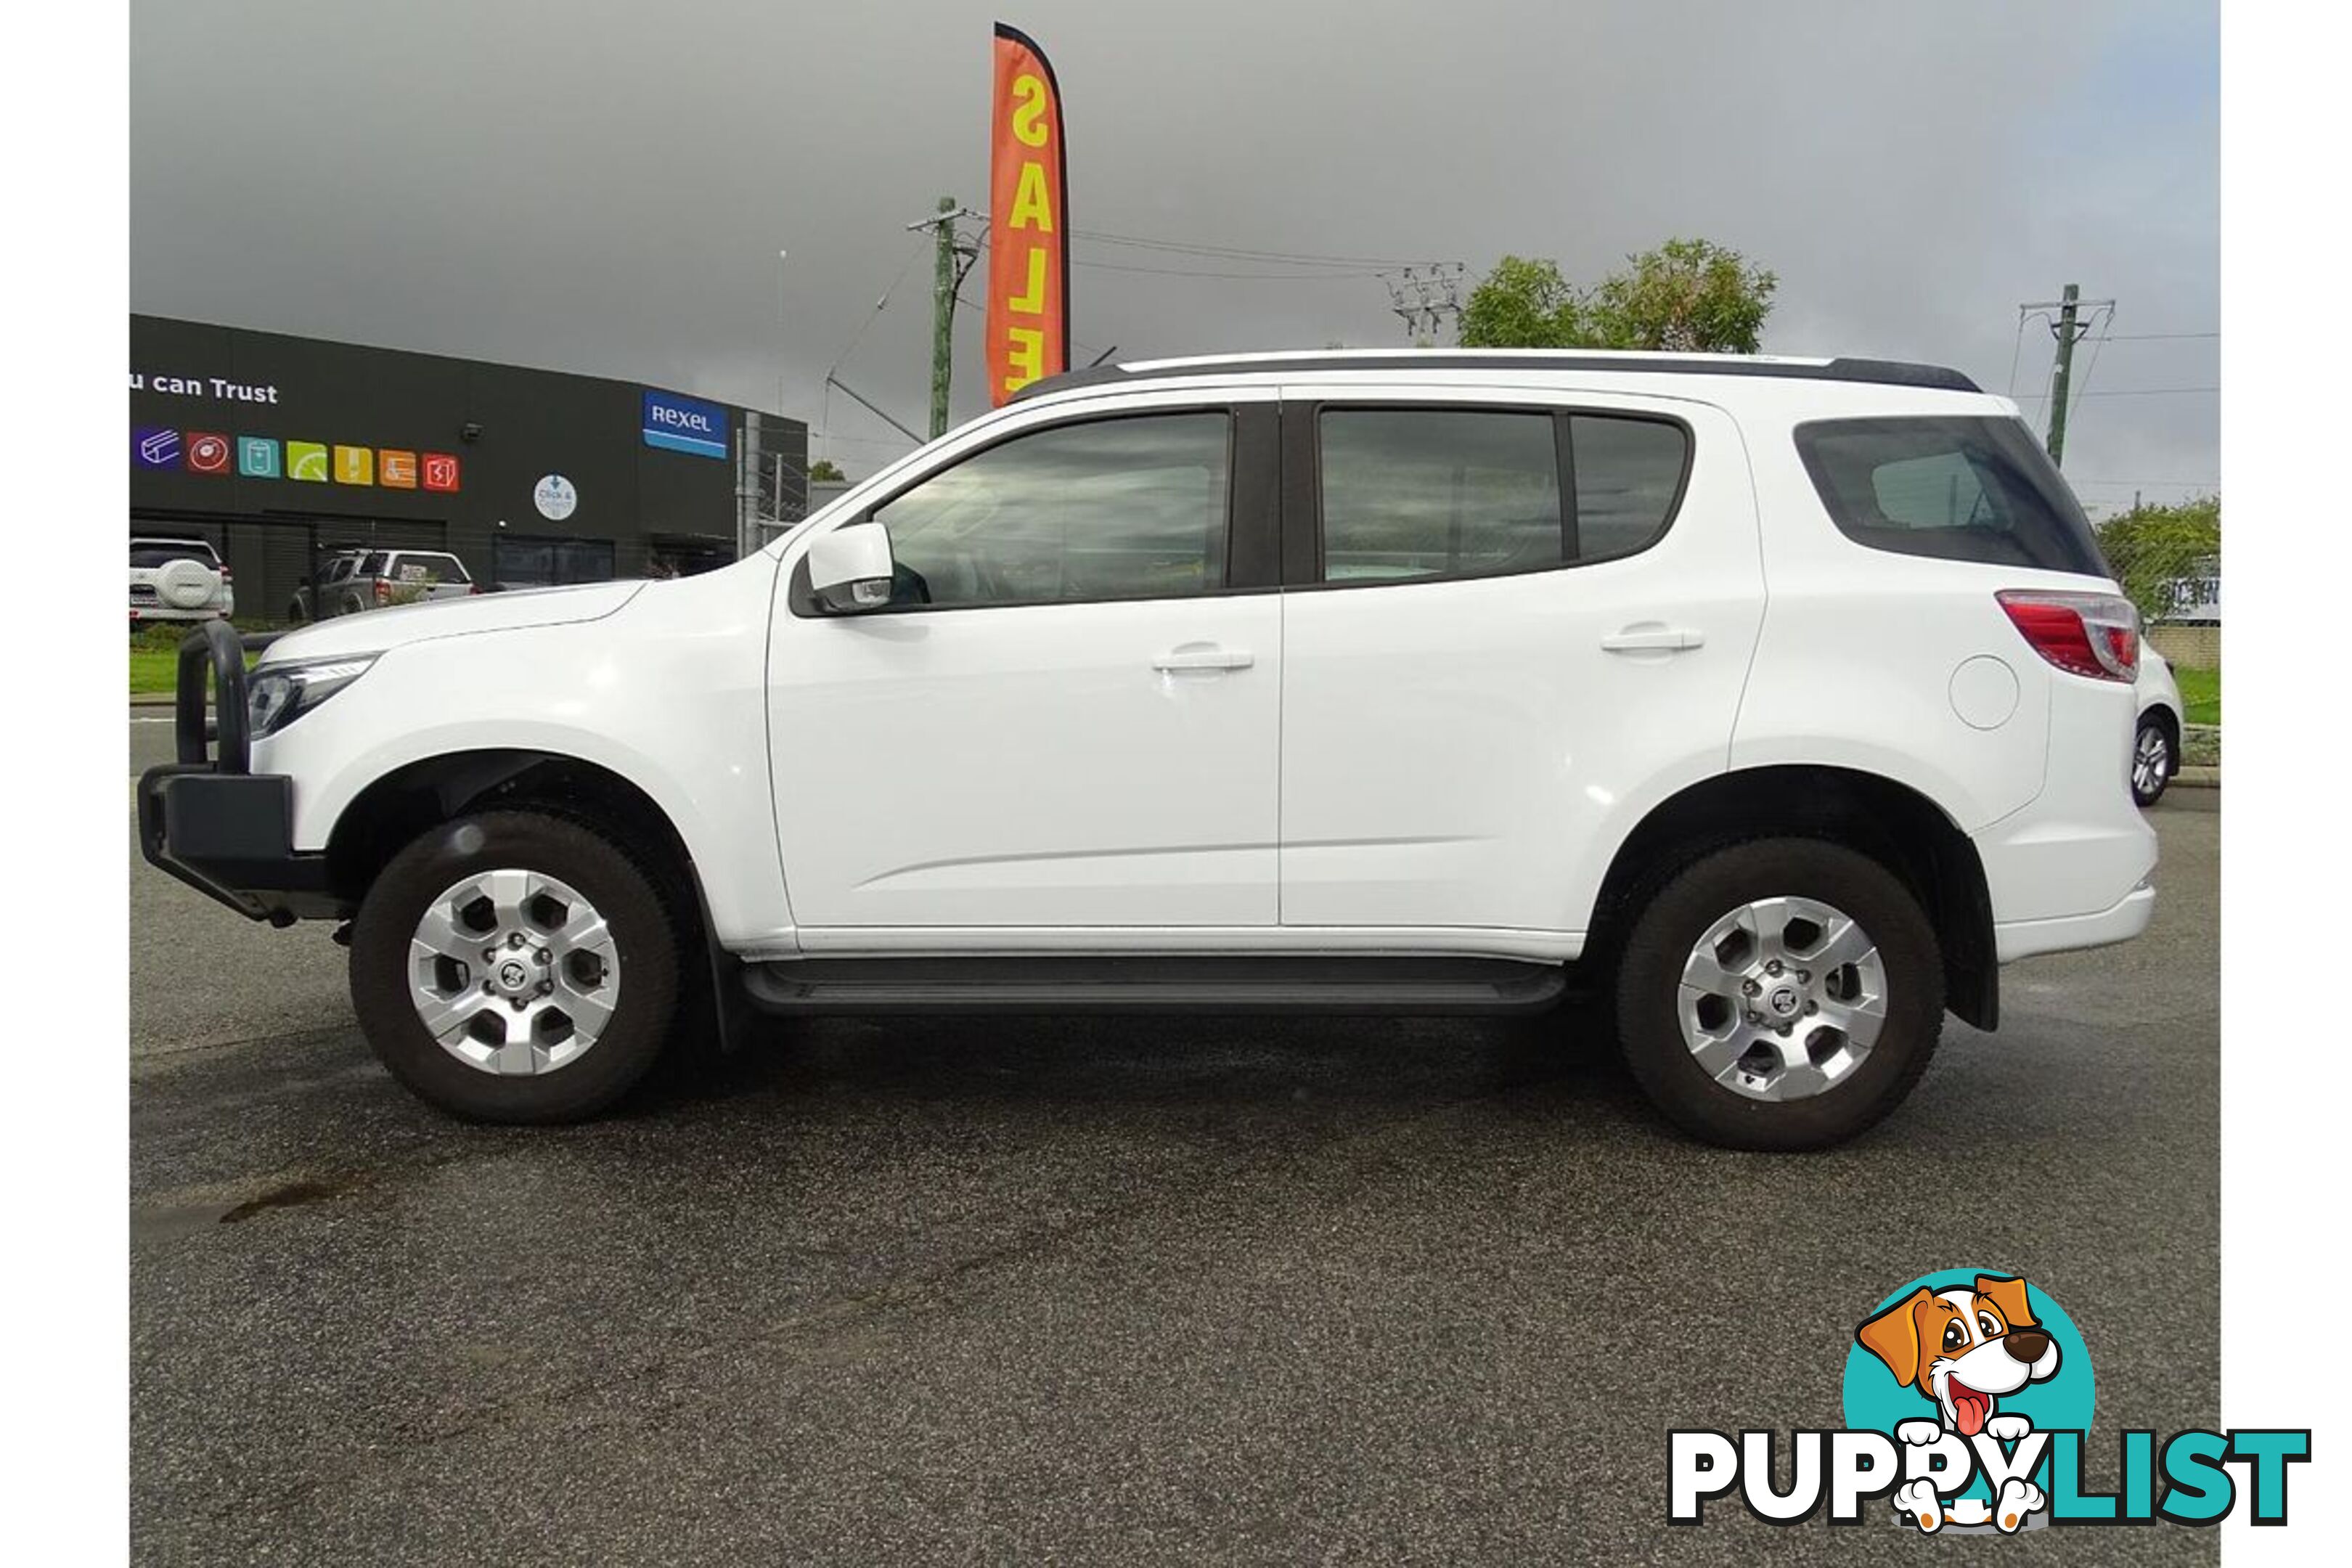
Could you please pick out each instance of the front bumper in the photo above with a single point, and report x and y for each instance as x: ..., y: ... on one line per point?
x: 231, y: 836
x: 208, y: 821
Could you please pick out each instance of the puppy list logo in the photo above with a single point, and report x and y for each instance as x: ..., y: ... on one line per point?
x: 1968, y: 1400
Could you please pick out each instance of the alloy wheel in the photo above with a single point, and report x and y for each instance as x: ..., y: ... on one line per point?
x: 1783, y: 998
x: 513, y: 971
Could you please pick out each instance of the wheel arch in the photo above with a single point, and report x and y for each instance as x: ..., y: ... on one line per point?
x: 1892, y: 823
x: 410, y: 799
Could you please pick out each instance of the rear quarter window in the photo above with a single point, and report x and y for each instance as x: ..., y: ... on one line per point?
x: 1950, y: 488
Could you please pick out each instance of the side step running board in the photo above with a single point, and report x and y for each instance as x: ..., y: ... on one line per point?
x: 1122, y: 984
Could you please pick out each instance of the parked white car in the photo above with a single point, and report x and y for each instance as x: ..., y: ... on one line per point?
x: 178, y: 579
x: 1786, y: 699
x: 2156, y: 739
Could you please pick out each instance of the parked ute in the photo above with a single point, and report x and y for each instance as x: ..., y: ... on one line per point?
x: 357, y: 580
x: 1782, y: 700
x: 178, y: 579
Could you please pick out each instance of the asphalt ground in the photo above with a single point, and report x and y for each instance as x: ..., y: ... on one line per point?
x: 1100, y: 1290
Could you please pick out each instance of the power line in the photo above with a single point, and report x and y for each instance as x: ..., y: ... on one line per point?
x: 913, y: 251
x: 1191, y: 272
x: 2097, y: 345
x: 1244, y: 252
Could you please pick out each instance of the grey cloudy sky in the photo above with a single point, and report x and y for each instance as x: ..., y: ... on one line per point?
x: 603, y: 188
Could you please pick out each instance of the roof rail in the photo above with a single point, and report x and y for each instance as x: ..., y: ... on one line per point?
x: 1878, y: 372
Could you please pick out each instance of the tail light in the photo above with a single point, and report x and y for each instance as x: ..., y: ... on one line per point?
x: 2096, y: 635
x: 382, y: 592
x: 473, y: 587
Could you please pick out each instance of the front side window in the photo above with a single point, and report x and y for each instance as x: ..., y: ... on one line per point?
x: 1131, y: 508
x: 1422, y: 492
x: 1956, y: 489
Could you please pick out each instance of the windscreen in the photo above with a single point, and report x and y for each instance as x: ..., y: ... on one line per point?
x: 1954, y: 487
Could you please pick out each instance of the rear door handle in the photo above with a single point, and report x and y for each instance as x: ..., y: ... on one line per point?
x: 1648, y: 636
x: 1195, y: 657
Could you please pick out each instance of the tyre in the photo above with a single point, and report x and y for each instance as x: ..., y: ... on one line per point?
x: 516, y: 967
x: 2154, y: 759
x: 1782, y: 994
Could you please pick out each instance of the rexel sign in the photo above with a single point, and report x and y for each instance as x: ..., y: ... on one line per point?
x: 688, y: 425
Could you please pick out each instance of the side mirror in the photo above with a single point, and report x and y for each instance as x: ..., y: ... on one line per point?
x: 850, y: 568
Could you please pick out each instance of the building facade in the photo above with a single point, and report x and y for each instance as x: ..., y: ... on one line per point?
x: 282, y: 450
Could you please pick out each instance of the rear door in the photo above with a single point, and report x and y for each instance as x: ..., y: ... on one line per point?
x: 1508, y: 618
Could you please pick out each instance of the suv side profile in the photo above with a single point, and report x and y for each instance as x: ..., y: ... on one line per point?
x: 1783, y: 701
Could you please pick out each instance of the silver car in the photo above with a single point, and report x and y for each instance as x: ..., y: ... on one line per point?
x: 356, y: 580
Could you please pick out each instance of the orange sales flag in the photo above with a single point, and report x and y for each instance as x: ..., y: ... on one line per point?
x: 1028, y: 221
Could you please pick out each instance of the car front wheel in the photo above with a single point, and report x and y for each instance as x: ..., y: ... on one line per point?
x: 2153, y: 762
x: 514, y: 966
x: 1783, y: 994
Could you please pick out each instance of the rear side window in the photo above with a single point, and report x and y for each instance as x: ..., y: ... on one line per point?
x: 1419, y: 493
x: 371, y: 565
x: 1955, y: 489
x: 429, y: 569
x: 1477, y: 492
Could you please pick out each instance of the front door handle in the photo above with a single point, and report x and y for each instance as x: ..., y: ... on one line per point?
x: 1650, y: 637
x: 1194, y: 657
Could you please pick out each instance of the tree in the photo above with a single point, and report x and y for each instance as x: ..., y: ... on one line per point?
x: 824, y: 469
x: 1524, y: 304
x: 2153, y: 550
x: 1687, y: 295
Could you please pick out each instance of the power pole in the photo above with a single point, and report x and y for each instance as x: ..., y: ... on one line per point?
x: 943, y: 293
x: 2062, y: 377
x: 954, y: 259
x: 2069, y: 329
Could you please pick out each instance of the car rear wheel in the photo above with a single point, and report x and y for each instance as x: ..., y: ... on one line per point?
x: 2153, y: 759
x: 515, y: 967
x: 1783, y: 994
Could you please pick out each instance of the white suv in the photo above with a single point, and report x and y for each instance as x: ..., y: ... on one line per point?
x: 1786, y: 699
x: 178, y: 579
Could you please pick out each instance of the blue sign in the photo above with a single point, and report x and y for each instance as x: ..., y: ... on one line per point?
x: 678, y: 423
x: 155, y: 447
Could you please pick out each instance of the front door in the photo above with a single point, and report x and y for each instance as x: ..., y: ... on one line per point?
x: 1065, y: 728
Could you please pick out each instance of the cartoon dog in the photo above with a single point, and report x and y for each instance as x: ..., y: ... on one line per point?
x: 1962, y: 1349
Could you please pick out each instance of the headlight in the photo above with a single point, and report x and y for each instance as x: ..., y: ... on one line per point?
x: 277, y: 694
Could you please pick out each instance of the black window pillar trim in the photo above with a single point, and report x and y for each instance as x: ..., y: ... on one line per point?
x: 1253, y: 502
x: 1302, y: 500
x: 1563, y: 436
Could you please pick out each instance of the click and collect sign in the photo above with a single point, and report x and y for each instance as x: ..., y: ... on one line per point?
x: 688, y: 425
